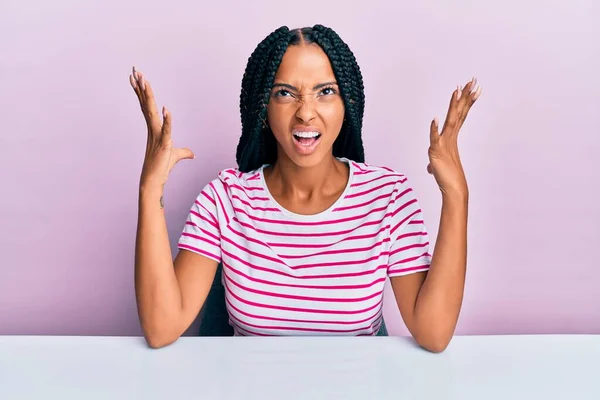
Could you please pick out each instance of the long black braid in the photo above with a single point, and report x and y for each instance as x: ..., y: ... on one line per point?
x: 257, y: 145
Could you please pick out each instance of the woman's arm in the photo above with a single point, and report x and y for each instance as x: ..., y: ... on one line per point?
x: 169, y: 293
x: 430, y: 302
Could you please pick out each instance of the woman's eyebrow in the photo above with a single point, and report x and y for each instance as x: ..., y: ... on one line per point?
x: 317, y: 86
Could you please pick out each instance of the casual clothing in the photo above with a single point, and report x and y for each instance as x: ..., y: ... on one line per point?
x: 323, y: 274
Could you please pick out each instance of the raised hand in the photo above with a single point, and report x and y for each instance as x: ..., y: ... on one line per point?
x: 444, y: 158
x: 161, y: 156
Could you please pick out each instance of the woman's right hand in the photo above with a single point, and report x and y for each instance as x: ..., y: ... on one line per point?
x: 161, y: 156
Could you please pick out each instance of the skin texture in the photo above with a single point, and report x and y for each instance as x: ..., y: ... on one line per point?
x: 430, y: 302
x: 305, y: 184
x: 171, y: 293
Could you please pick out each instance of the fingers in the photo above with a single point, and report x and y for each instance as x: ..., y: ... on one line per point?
x: 466, y: 99
x: 133, y: 80
x: 434, y: 138
x: 470, y: 94
x: 464, y: 104
x: 143, y: 89
x: 461, y: 102
x: 451, y: 121
x: 166, y: 126
x: 434, y: 135
x: 466, y: 91
x: 134, y: 85
x: 472, y: 91
x: 139, y: 84
x: 151, y: 108
x: 181, y: 154
x: 185, y: 154
x: 137, y: 75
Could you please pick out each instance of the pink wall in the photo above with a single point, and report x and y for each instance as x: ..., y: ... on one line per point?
x: 73, y: 141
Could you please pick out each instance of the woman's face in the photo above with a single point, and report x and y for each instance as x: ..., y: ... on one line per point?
x: 305, y: 110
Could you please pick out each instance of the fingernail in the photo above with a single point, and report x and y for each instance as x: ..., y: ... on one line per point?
x: 477, y: 93
x: 458, y: 91
x: 435, y: 121
x: 142, y: 84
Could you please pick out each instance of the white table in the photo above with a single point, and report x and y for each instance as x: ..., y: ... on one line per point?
x: 310, y: 368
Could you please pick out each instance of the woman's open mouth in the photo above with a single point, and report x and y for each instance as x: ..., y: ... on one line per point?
x: 306, y: 142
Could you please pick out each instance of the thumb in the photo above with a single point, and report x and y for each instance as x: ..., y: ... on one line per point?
x: 185, y: 154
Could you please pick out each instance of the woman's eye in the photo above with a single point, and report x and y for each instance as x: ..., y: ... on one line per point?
x: 282, y: 93
x: 328, y: 91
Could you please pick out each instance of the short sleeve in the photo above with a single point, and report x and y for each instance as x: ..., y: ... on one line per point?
x: 201, y: 232
x: 409, y: 248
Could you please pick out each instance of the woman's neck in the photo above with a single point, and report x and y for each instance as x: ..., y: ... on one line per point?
x: 291, y: 181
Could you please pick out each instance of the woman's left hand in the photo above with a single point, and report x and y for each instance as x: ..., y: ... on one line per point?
x: 444, y: 159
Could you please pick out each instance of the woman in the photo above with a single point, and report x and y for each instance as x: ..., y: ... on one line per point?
x: 306, y: 231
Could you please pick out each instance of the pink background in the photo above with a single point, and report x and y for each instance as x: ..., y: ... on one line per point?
x: 73, y: 141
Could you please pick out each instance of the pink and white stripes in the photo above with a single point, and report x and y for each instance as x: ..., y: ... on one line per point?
x: 324, y: 274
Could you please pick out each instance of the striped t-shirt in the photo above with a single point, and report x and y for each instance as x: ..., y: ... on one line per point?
x: 323, y: 274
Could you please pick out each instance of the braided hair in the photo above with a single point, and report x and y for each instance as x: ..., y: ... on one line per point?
x: 257, y: 145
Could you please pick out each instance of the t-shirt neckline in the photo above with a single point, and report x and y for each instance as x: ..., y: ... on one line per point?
x: 319, y: 215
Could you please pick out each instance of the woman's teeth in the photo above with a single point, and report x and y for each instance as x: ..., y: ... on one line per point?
x: 306, y: 139
x: 307, y: 134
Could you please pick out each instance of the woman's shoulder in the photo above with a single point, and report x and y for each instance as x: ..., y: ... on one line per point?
x: 376, y: 174
x: 233, y: 177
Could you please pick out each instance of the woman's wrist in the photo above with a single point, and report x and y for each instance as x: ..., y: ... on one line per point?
x: 151, y: 193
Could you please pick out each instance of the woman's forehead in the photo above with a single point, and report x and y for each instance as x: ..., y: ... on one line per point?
x: 304, y: 64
